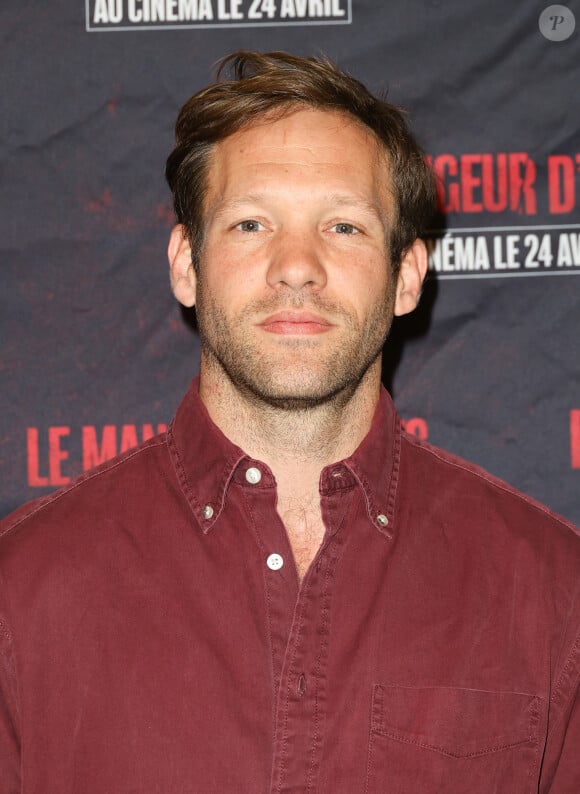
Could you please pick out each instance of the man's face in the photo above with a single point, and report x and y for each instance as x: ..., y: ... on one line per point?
x: 294, y: 293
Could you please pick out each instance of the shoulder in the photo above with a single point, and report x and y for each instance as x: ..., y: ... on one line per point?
x: 489, y: 539
x: 473, y: 503
x: 468, y: 482
x: 110, y: 486
x: 94, y: 541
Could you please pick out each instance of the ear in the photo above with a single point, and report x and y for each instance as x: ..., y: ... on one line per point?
x: 182, y: 274
x: 410, y: 278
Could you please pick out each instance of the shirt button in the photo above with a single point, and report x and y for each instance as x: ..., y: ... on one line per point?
x: 275, y: 562
x: 382, y: 520
x: 253, y: 475
x: 207, y: 512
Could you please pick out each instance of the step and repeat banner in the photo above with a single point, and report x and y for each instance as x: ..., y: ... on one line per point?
x: 95, y: 354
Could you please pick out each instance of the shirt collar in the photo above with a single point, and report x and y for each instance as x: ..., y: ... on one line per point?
x: 206, y: 462
x: 376, y: 463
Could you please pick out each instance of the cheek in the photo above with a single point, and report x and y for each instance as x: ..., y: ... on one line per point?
x: 228, y: 295
x: 223, y: 275
x: 365, y: 284
x: 228, y: 261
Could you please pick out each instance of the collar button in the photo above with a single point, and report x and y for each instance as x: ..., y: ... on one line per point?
x: 253, y: 475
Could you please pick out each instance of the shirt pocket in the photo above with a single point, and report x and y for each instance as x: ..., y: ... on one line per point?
x: 449, y: 740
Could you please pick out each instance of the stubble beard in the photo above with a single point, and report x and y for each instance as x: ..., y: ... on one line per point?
x: 281, y: 380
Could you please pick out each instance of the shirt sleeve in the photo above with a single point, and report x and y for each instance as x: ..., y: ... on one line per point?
x: 561, y: 766
x: 9, y: 739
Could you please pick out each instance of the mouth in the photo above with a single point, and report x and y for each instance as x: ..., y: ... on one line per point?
x: 295, y: 323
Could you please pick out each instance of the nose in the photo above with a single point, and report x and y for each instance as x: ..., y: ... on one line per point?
x: 296, y: 262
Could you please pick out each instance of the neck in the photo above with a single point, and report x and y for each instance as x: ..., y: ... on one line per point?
x: 295, y: 444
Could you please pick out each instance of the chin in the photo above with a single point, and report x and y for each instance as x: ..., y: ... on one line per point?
x: 299, y: 397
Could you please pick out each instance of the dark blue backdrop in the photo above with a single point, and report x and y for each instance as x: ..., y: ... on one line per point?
x: 93, y: 346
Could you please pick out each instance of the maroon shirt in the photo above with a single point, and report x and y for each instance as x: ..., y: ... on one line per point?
x: 154, y: 636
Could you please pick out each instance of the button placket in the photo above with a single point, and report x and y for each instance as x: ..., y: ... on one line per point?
x: 301, y: 711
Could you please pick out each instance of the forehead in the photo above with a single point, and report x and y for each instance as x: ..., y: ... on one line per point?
x: 305, y: 145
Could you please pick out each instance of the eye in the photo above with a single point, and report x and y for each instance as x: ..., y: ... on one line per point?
x: 249, y: 226
x: 345, y: 228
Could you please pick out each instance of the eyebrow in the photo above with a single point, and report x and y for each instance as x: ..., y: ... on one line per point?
x: 336, y: 199
x: 222, y: 206
x: 370, y: 207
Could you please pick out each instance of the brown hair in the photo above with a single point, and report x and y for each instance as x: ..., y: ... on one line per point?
x: 274, y: 84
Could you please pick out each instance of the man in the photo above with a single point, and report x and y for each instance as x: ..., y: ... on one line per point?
x: 285, y: 593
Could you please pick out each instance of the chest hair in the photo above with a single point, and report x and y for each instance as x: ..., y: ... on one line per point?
x: 302, y: 519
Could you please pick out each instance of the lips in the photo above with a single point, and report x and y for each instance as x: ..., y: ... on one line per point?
x: 302, y: 323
